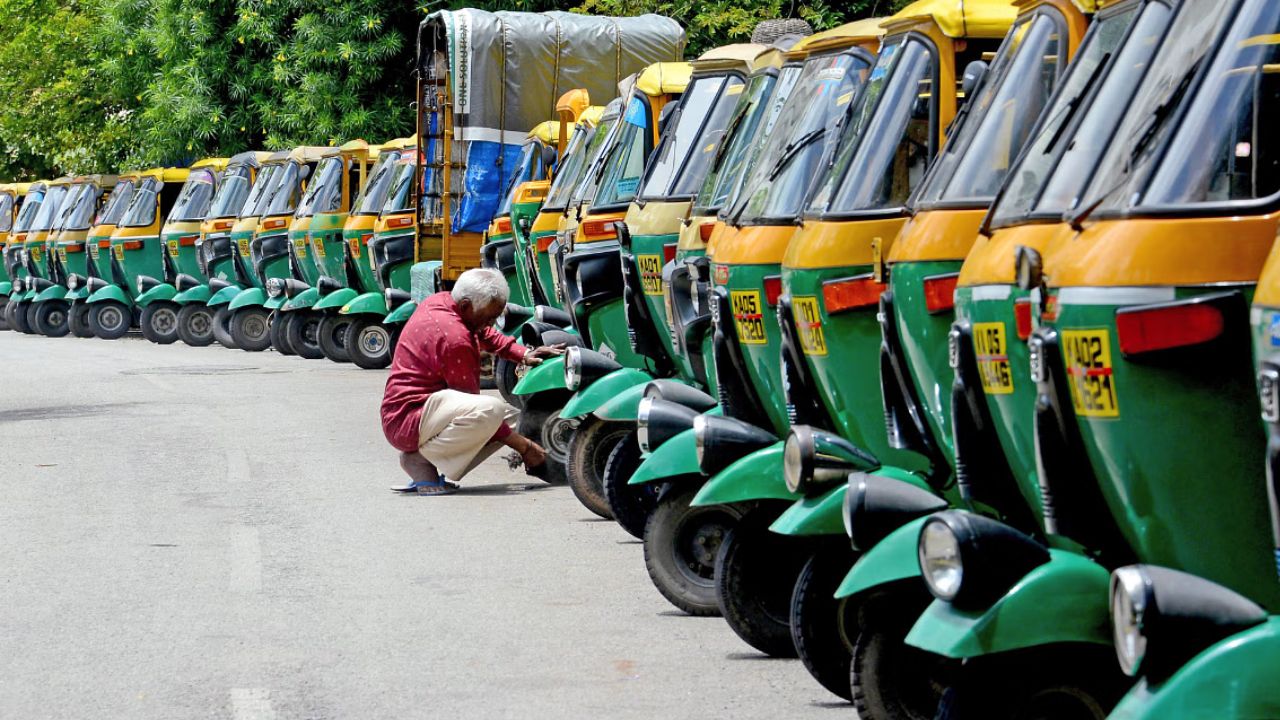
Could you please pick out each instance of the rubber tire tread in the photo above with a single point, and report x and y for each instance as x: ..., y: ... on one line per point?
x: 752, y: 564
x: 660, y: 535
x: 18, y: 317
x: 330, y: 327
x: 884, y: 618
x: 532, y: 421
x: 280, y: 333
x: 369, y: 362
x: 186, y: 314
x: 78, y: 319
x: 95, y: 314
x: 222, y: 328
x: 238, y: 319
x: 41, y: 315
x: 150, y: 333
x: 295, y: 324
x: 589, y: 451
x: 816, y: 619
x: 631, y: 505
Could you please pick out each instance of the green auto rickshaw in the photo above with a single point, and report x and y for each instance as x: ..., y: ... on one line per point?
x: 96, y: 260
x: 66, y: 251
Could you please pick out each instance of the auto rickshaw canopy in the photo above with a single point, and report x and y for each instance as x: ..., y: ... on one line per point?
x: 664, y: 78
x: 215, y: 163
x: 957, y: 18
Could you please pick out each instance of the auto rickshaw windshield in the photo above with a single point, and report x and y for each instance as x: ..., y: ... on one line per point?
x: 81, y: 215
x: 6, y: 212
x: 375, y: 189
x: 232, y: 191
x: 284, y: 191
x: 808, y: 127
x: 584, y: 146
x: 1002, y: 115
x: 528, y: 167
x: 50, y: 208
x: 111, y: 213
x: 324, y: 192
x: 626, y: 160
x: 193, y: 202
x: 886, y: 151
x: 585, y: 191
x: 400, y: 198
x: 746, y: 134
x: 688, y: 145
x: 31, y: 205
x: 1100, y: 87
x: 142, y: 209
x: 256, y: 203
x: 69, y: 204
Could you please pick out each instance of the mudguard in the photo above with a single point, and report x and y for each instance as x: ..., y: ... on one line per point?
x: 821, y: 514
x: 72, y: 295
x: 273, y: 303
x: 366, y: 304
x: 6, y: 288
x: 27, y: 296
x: 336, y: 299
x: 676, y: 456
x: 588, y: 399
x: 199, y: 294
x: 1064, y: 600
x: 250, y: 296
x: 401, y: 313
x: 224, y: 296
x: 110, y: 292
x: 303, y: 300
x: 1234, y: 678
x: 547, y: 376
x: 57, y: 292
x: 757, y: 476
x: 163, y: 291
x: 623, y: 406
x: 893, y: 558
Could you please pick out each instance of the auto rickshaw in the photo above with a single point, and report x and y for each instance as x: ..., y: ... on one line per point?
x: 96, y: 260
x: 135, y: 249
x: 66, y: 252
x: 58, y: 197
x: 11, y: 199
x: 16, y: 255
x: 226, y: 262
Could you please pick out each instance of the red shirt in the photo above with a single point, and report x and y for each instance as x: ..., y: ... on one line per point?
x: 436, y: 351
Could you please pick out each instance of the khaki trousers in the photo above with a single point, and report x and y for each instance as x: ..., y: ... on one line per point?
x: 455, y: 430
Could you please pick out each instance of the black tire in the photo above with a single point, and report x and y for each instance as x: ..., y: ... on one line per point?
x: 818, y: 619
x: 109, y: 319
x: 251, y: 328
x: 18, y: 318
x: 159, y: 322
x: 589, y: 451
x: 4, y: 313
x: 540, y: 421
x: 302, y: 328
x: 631, y: 505
x: 333, y: 337
x: 195, y: 324
x: 888, y: 678
x: 50, y: 318
x: 30, y: 317
x: 756, y: 573
x: 504, y: 377
x: 78, y: 319
x: 280, y: 333
x: 222, y: 328
x: 680, y: 548
x: 369, y: 342
x: 1051, y: 682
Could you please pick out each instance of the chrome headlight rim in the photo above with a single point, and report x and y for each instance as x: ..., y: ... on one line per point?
x: 1132, y: 595
x: 573, y: 368
x: 699, y: 437
x: 642, y: 423
x: 941, y: 559
x: 275, y: 287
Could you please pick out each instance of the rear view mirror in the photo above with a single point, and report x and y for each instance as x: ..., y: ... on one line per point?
x: 974, y: 72
x: 304, y: 172
x: 1029, y: 268
x: 549, y: 156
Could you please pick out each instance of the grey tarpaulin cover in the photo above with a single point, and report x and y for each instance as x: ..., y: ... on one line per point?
x: 506, y: 71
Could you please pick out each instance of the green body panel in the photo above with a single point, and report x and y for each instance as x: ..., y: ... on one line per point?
x: 684, y: 368
x: 545, y: 275
x: 302, y: 300
x: 74, y: 263
x: 163, y: 291
x: 893, y: 558
x: 6, y: 287
x: 677, y: 456
x: 848, y: 374
x: 370, y: 303
x: 622, y: 406
x: 224, y: 296
x: 820, y: 514
x: 110, y: 292
x: 650, y: 253
x: 56, y: 292
x: 763, y: 358
x: 1200, y: 509
x: 401, y: 313
x: 588, y: 399
x: 274, y: 303
x: 523, y: 211
x: 240, y: 242
x: 336, y: 299
x: 249, y: 296
x: 924, y: 342
x: 367, y: 280
x: 547, y: 376
x: 517, y: 291
x: 608, y: 327
x: 147, y: 260
x: 327, y: 245
x: 182, y: 256
x: 1234, y: 679
x: 1064, y: 600
x: 277, y: 268
x: 39, y: 257
x: 199, y: 293
x: 757, y: 476
x: 399, y: 273
x: 300, y: 243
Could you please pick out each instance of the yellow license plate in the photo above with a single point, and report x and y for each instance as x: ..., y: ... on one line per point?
x: 809, y: 325
x: 62, y: 254
x: 355, y: 247
x: 118, y: 251
x: 93, y: 250
x: 747, y: 316
x: 35, y: 254
x: 993, y: 357
x: 173, y: 248
x: 1088, y: 359
x: 243, y: 244
x: 650, y: 273
x: 318, y: 245
x: 301, y: 246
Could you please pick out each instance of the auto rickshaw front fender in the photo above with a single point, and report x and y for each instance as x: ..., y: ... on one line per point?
x: 600, y: 392
x: 57, y: 292
x: 72, y: 295
x: 303, y: 300
x: 6, y: 288
x: 674, y: 457
x: 757, y: 476
x: 547, y: 376
x: 224, y: 296
x: 366, y: 304
x: 401, y: 313
x: 623, y: 406
x: 819, y: 514
x: 198, y: 294
x: 28, y: 296
x: 893, y: 558
x: 275, y: 303
x: 335, y: 299
x: 110, y: 292
x: 247, y: 297
x: 1064, y: 600
x: 163, y: 291
x: 1236, y: 678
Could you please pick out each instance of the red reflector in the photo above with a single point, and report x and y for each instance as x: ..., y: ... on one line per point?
x: 599, y: 230
x: 399, y: 222
x: 188, y: 240
x: 273, y: 224
x: 940, y: 292
x: 1022, y: 317
x: 74, y: 248
x: 104, y: 244
x: 132, y: 244
x: 1167, y: 327
x: 668, y: 253
x: 503, y: 226
x: 365, y: 238
x: 772, y: 289
x: 705, y: 230
x: 858, y: 292
x: 544, y: 242
x: 223, y: 225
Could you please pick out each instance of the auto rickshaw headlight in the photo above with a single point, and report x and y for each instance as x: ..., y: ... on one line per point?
x: 814, y: 458
x: 583, y: 366
x: 73, y: 281
x: 17, y: 285
x: 699, y: 438
x: 877, y: 504
x: 723, y: 440
x: 1130, y: 596
x: 940, y: 560
x: 572, y: 365
x: 275, y: 287
x: 971, y: 561
x: 145, y: 283
x: 659, y: 420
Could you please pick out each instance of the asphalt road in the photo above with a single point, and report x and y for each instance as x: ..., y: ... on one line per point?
x: 206, y: 533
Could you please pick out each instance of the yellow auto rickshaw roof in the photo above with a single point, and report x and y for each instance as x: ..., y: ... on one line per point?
x: 592, y: 115
x: 300, y: 154
x: 770, y: 58
x: 957, y: 18
x: 548, y: 131
x: 664, y: 77
x: 1088, y: 7
x: 64, y: 180
x: 99, y: 179
x: 20, y: 188
x: 403, y: 143
x: 164, y: 174
x: 215, y: 163
x: 575, y: 101
x: 739, y: 56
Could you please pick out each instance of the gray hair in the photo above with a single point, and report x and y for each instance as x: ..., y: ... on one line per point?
x: 482, y: 287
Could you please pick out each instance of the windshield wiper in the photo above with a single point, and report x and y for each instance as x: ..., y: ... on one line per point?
x: 793, y: 149
x: 1077, y: 102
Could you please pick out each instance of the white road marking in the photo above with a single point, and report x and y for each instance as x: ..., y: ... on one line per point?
x: 251, y: 704
x: 245, y: 560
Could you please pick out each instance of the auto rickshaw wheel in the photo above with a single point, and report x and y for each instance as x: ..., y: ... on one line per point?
x: 51, y: 318
x: 110, y: 319
x: 159, y: 322
x: 222, y: 328
x: 78, y: 319
x: 18, y: 320
x: 504, y: 376
x: 195, y: 324
x: 540, y: 421
x: 280, y: 333
x: 1051, y: 682
x: 631, y: 505
x: 589, y: 451
x: 333, y: 337
x: 888, y: 678
x: 4, y: 313
x: 302, y: 327
x: 251, y: 328
x: 30, y: 316
x: 756, y: 572
x: 368, y: 342
x: 819, y: 620
x: 10, y: 310
x: 681, y: 543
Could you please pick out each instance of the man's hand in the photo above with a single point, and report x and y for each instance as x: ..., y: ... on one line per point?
x: 536, y: 355
x: 533, y: 455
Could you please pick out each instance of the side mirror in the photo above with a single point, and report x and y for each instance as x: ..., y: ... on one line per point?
x: 304, y: 172
x: 159, y: 186
x: 1029, y: 268
x: 974, y: 72
x: 549, y: 157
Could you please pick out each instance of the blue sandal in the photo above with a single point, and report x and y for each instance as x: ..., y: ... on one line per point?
x: 426, y: 487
